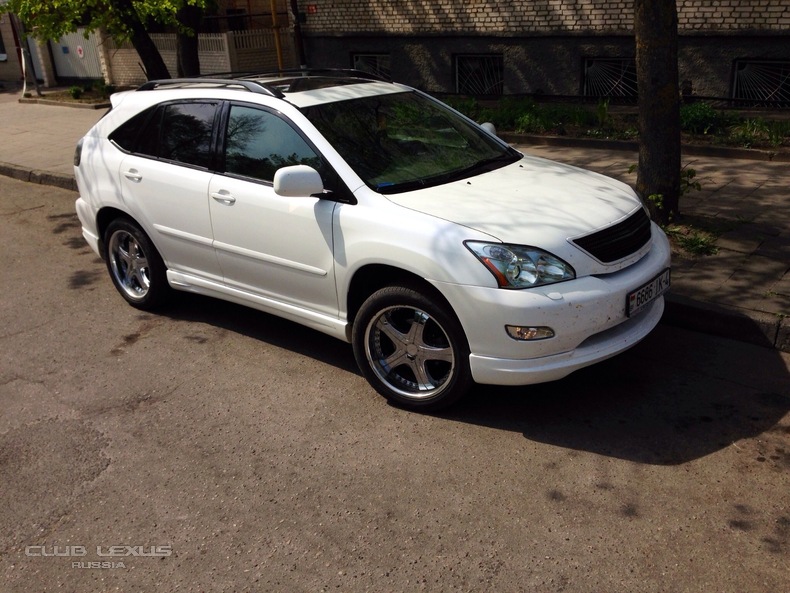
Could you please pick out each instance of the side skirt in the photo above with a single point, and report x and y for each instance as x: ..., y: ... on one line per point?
x: 333, y: 326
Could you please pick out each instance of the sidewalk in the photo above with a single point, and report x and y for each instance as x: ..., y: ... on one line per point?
x: 742, y: 292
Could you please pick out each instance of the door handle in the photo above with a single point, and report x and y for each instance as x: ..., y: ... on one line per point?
x: 223, y: 197
x: 133, y: 175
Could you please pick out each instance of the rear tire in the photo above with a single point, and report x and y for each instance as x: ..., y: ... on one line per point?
x: 411, y: 350
x: 135, y: 266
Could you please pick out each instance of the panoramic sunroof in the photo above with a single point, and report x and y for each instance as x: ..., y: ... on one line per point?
x: 311, y: 83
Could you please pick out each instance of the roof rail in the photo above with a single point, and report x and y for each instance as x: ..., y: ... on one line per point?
x: 250, y: 85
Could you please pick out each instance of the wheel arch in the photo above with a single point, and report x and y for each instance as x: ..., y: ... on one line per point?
x: 109, y: 213
x: 103, y: 219
x: 372, y: 277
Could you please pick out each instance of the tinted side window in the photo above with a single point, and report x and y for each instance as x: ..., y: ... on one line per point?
x: 186, y: 133
x: 258, y: 143
x: 126, y: 135
x: 148, y: 140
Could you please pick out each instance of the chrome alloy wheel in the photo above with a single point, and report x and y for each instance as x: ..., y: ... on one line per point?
x: 410, y: 352
x: 129, y: 265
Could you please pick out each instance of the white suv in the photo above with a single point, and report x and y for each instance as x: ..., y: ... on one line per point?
x: 376, y: 214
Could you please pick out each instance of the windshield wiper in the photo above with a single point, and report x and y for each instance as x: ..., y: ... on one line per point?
x: 481, y: 166
x: 486, y: 165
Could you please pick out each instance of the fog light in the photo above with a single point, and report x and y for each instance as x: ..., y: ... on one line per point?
x: 521, y: 332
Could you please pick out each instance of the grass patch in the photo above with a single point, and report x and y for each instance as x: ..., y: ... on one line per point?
x: 90, y: 92
x: 692, y: 241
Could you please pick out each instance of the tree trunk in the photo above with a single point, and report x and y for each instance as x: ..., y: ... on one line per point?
x: 153, y: 64
x: 658, y: 178
x: 187, y: 52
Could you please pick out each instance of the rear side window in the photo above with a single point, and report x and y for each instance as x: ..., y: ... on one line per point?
x: 186, y: 133
x: 126, y: 135
x: 180, y: 132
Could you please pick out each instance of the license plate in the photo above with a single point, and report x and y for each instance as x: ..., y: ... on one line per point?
x: 647, y: 293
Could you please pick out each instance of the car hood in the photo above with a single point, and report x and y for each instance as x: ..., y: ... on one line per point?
x: 534, y: 201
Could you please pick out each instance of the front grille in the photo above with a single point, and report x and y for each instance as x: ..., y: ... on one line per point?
x: 617, y: 241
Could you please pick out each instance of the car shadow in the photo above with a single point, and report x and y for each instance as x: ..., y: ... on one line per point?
x: 676, y: 397
x: 265, y: 328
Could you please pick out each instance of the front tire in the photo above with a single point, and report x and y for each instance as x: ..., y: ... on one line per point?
x: 411, y: 350
x: 135, y: 266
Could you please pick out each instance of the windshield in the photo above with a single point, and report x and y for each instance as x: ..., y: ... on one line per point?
x: 405, y: 141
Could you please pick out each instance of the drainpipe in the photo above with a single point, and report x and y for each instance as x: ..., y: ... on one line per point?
x: 298, y: 39
x: 276, y: 28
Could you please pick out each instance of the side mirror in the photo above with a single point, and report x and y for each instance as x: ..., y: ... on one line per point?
x: 489, y: 127
x: 297, y: 181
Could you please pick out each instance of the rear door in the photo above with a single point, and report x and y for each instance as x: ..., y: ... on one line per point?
x: 165, y: 182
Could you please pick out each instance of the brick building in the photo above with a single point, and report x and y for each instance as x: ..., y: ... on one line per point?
x: 728, y: 48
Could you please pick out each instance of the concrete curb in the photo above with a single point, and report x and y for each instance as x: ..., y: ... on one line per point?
x: 754, y: 327
x: 44, y: 101
x: 38, y: 176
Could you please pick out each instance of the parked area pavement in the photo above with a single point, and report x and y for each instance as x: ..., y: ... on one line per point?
x: 740, y: 292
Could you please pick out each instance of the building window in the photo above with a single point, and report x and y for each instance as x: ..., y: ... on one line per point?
x: 237, y: 19
x: 3, y: 55
x: 762, y: 81
x: 377, y: 64
x: 479, y: 75
x: 609, y: 77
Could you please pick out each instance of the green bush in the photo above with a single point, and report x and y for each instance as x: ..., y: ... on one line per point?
x: 602, y: 115
x: 466, y: 105
x: 530, y: 123
x: 749, y: 132
x: 555, y: 118
x: 505, y: 114
x: 104, y: 89
x: 778, y: 132
x: 575, y: 115
x: 524, y: 115
x: 75, y: 92
x: 699, y: 118
x: 509, y: 111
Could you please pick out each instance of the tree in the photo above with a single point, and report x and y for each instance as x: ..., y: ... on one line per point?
x: 124, y: 20
x: 658, y: 176
x: 187, y: 52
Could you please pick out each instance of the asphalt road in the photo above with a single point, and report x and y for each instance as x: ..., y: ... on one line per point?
x: 214, y: 448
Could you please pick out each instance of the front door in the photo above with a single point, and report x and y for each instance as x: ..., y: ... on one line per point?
x: 277, y: 247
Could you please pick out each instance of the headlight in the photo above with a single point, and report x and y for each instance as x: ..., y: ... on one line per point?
x: 519, y: 266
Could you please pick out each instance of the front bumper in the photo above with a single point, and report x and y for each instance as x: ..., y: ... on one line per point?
x: 588, y: 316
x: 505, y: 371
